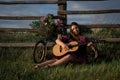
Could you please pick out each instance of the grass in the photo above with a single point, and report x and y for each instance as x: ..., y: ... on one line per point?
x: 17, y: 63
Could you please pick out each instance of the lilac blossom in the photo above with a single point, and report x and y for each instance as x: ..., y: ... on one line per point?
x: 43, y: 20
x: 58, y: 22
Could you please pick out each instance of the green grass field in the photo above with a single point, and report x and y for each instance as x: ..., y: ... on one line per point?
x: 17, y: 64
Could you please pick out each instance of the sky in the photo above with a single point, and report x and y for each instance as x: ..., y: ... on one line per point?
x: 43, y: 9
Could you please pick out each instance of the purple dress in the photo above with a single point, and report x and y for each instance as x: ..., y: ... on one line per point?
x: 80, y: 55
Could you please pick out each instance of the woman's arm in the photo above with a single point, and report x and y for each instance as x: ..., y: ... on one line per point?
x: 90, y: 43
x: 58, y: 41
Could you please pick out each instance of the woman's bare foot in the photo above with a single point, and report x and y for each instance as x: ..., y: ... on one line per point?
x: 35, y: 67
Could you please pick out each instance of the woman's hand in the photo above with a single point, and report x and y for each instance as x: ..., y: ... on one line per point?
x: 65, y: 47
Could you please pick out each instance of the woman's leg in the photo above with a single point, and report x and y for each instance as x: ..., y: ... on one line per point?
x: 44, y: 64
x: 54, y: 62
x: 63, y: 60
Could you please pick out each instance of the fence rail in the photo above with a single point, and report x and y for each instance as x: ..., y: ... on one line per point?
x: 27, y: 44
x: 41, y: 2
x: 25, y: 17
x: 30, y: 2
x: 7, y: 30
x: 90, y: 12
x: 107, y: 40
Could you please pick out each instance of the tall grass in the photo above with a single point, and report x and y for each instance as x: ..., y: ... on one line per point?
x: 17, y: 63
x: 19, y: 67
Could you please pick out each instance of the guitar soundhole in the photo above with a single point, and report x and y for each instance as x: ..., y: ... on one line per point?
x: 60, y: 48
x: 70, y: 46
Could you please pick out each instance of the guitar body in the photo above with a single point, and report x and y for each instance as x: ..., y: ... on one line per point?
x: 59, y: 51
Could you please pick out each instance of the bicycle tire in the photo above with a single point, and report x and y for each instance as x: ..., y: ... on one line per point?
x: 39, y: 52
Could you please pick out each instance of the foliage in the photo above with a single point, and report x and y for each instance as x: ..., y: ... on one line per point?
x: 48, y: 26
x: 19, y: 37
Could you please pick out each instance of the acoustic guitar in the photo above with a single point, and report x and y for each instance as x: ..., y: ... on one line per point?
x: 73, y: 46
x: 59, y: 51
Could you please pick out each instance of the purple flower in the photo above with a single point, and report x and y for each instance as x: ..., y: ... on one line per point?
x: 58, y: 22
x: 43, y: 20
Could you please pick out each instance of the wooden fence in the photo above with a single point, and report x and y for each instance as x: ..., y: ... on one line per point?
x: 62, y: 13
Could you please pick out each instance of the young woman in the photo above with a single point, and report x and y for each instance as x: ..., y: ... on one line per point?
x: 78, y: 56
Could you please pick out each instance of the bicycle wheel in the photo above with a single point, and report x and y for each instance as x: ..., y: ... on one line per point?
x: 92, y: 53
x: 39, y: 52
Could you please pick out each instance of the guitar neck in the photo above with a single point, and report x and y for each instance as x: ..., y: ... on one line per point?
x: 81, y: 44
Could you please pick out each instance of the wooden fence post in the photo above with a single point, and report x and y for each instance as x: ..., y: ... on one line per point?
x: 62, y: 6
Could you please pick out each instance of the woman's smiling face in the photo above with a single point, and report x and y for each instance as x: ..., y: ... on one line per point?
x: 75, y: 29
